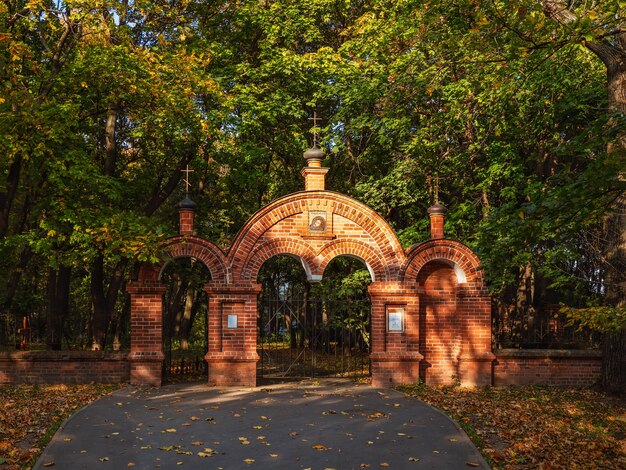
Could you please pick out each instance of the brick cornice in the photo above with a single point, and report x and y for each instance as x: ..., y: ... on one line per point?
x: 246, y: 356
x: 396, y: 356
x: 146, y: 356
x: 145, y: 288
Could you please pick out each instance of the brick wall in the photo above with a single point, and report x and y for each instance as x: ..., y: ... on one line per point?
x: 567, y: 368
x: 76, y: 367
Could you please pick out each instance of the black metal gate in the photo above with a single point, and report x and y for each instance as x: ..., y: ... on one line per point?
x: 313, y: 338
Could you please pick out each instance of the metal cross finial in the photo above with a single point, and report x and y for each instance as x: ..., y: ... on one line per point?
x: 437, y: 189
x: 316, y: 135
x: 187, y: 183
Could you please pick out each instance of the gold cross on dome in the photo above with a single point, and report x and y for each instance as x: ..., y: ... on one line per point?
x: 187, y: 183
x: 316, y: 135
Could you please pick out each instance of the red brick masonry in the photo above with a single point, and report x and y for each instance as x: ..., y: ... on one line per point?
x: 70, y: 367
x: 567, y: 368
x: 563, y: 368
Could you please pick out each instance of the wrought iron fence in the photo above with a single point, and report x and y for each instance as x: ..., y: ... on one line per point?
x: 313, y: 338
x: 21, y: 331
x: 184, y: 366
x: 547, y: 329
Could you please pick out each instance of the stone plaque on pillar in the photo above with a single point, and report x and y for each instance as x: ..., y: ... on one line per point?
x: 395, y: 319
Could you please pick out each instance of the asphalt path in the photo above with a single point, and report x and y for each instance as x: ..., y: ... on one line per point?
x: 308, y: 425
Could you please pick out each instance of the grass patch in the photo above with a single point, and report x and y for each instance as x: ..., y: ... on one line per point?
x: 31, y: 414
x: 536, y: 427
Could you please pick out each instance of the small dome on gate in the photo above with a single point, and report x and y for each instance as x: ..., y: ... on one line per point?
x: 187, y: 204
x: 314, y: 153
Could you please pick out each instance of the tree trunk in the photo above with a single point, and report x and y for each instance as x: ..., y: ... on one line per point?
x: 7, y: 197
x: 14, y: 280
x: 58, y: 302
x: 186, y: 320
x: 613, y: 376
x: 119, y: 322
x: 110, y: 144
x: 101, y: 315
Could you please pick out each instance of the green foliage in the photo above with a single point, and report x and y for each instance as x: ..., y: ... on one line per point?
x: 602, y: 319
x: 489, y: 106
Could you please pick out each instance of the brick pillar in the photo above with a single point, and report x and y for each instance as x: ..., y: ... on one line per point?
x: 186, y: 212
x: 395, y: 353
x: 314, y: 174
x: 436, y: 213
x: 474, y: 318
x: 146, y: 332
x: 232, y: 331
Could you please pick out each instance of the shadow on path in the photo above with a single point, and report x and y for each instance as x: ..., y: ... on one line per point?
x: 314, y: 424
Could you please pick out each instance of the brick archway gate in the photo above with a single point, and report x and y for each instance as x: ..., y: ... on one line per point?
x: 428, y: 306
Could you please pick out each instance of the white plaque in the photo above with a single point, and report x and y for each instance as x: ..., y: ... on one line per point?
x: 232, y: 321
x: 395, y: 319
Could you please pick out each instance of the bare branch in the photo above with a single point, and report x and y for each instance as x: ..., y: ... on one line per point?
x: 20, y: 14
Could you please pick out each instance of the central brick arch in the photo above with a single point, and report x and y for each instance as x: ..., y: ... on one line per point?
x: 284, y: 227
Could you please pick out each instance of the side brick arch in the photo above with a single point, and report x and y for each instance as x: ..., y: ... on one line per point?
x: 203, y: 250
x: 454, y: 313
x: 454, y: 253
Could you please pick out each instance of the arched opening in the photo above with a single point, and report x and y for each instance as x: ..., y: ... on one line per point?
x: 319, y: 329
x: 282, y: 319
x: 185, y: 320
x: 347, y: 307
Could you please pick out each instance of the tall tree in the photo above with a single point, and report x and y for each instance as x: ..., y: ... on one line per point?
x: 601, y: 27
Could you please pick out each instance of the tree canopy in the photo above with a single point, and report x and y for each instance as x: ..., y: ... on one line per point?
x: 499, y: 109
